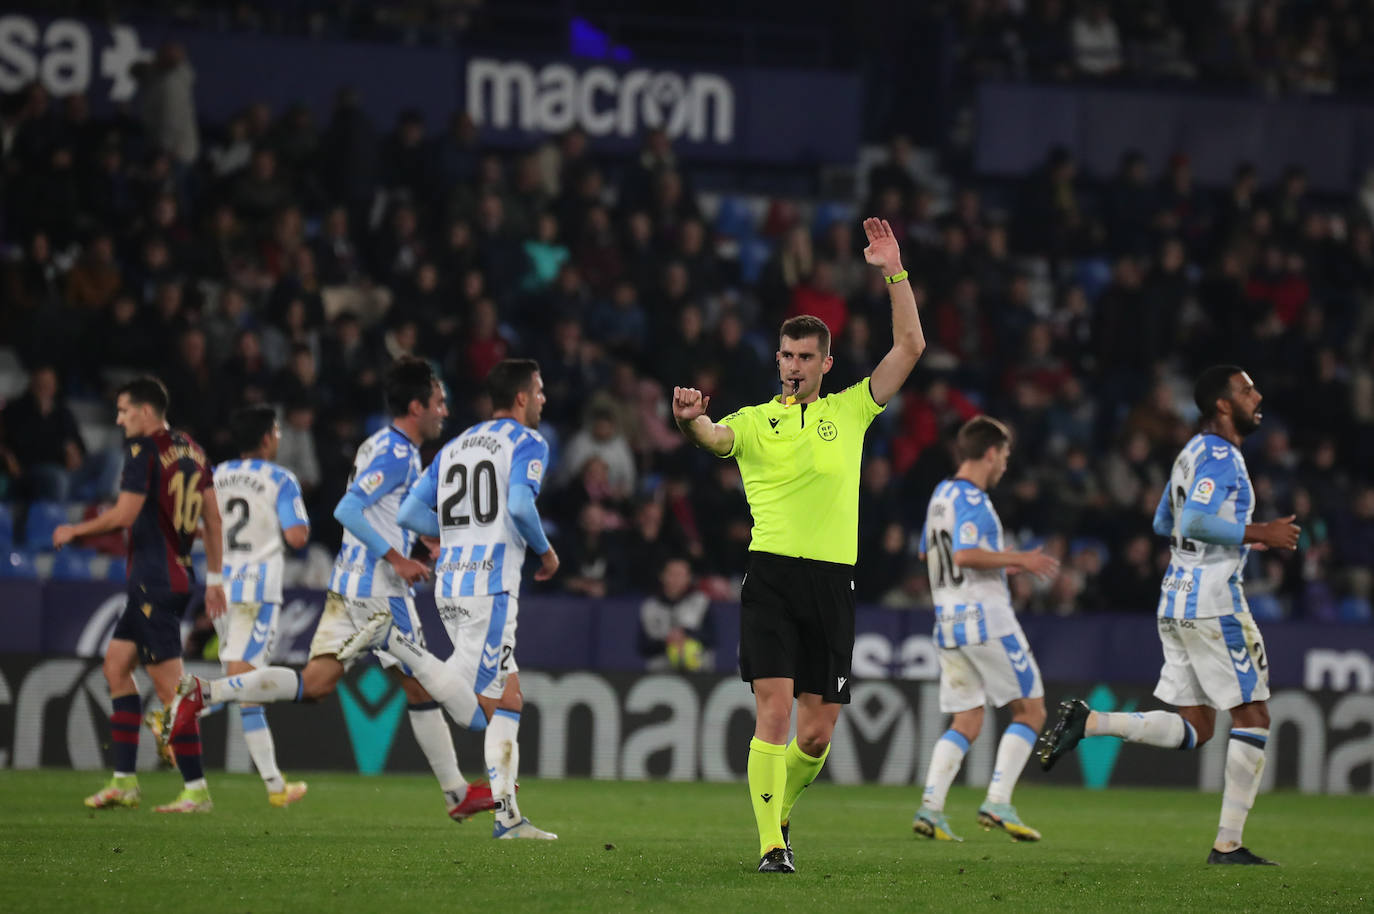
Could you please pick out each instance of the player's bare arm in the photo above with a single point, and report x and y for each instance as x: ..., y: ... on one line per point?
x: 548, y: 565
x: 1280, y: 533
x: 1043, y: 566
x: 689, y: 412
x: 410, y: 570
x: 215, y: 603
x: 908, y: 340
x: 120, y: 516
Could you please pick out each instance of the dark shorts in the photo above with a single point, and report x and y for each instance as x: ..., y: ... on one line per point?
x: 797, y: 622
x: 152, y: 620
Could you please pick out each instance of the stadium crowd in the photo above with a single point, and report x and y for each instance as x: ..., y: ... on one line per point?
x: 274, y: 259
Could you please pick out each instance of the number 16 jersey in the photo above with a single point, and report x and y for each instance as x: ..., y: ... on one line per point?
x: 470, y: 482
x: 258, y: 500
x: 1203, y: 580
x: 972, y: 605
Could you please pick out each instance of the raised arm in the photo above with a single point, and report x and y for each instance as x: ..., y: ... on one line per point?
x: 908, y: 340
x: 689, y: 411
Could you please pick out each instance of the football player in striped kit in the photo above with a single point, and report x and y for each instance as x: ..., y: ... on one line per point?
x: 1213, y: 653
x: 983, y: 652
x: 372, y: 574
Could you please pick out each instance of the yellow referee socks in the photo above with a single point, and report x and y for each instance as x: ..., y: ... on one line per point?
x: 801, y: 771
x: 767, y: 781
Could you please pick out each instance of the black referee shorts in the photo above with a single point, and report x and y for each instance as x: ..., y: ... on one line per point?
x: 797, y: 622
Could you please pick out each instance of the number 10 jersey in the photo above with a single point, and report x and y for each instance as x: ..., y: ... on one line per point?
x: 258, y: 500
x: 482, y: 550
x: 972, y: 605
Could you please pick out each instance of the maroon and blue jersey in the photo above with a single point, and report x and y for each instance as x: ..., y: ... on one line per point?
x: 171, y: 471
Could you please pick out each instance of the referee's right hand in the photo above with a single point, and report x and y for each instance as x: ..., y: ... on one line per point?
x: 688, y: 403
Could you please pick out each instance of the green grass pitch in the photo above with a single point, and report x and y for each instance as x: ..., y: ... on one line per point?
x: 383, y: 844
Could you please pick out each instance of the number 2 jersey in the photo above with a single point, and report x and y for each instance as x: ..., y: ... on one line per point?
x: 1203, y: 580
x: 470, y: 483
x: 258, y: 500
x: 972, y: 605
x: 171, y: 471
x: 386, y: 466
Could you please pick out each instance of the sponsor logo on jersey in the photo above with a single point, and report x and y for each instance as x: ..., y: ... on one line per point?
x: 535, y: 470
x: 372, y: 481
x: 401, y: 451
x: 968, y: 532
x: 973, y: 498
x: 1202, y: 491
x: 1221, y: 452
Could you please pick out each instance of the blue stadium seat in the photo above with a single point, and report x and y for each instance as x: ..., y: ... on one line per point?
x: 753, y: 257
x: 6, y: 527
x: 42, y: 520
x: 73, y: 564
x: 1265, y: 607
x: 1354, y: 609
x: 375, y: 423
x: 1093, y: 274
x: 1090, y: 542
x: 734, y: 218
x: 827, y: 214
x: 18, y: 564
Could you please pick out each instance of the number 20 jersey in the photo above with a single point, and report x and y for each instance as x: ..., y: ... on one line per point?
x: 258, y: 500
x: 1203, y: 580
x: 972, y: 605
x: 482, y: 550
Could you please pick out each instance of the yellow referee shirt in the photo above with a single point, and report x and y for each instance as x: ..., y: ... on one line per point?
x: 800, y: 466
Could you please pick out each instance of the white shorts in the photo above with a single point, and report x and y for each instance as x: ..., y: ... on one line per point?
x: 1218, y: 662
x: 482, y: 630
x: 1000, y: 670
x: 248, y: 633
x: 343, y: 616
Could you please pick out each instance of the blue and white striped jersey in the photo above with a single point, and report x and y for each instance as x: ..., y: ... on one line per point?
x: 1203, y: 580
x: 469, y: 483
x: 971, y: 605
x: 383, y: 471
x: 258, y: 500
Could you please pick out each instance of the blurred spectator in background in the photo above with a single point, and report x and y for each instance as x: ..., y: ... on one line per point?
x: 675, y: 630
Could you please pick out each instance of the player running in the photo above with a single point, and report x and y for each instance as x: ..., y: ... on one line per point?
x: 983, y: 652
x: 373, y: 573
x: 1213, y: 652
x: 262, y: 507
x: 478, y: 498
x: 166, y: 494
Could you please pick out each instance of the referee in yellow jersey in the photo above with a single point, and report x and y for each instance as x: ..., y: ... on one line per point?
x: 800, y: 455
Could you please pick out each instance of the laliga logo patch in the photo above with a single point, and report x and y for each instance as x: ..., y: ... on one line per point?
x: 371, y: 481
x: 968, y: 532
x: 535, y: 471
x: 1202, y: 492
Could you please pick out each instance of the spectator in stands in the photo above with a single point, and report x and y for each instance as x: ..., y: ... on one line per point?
x: 591, y: 556
x: 1096, y: 41
x: 601, y: 438
x: 675, y: 627
x: 42, y: 447
x: 166, y: 102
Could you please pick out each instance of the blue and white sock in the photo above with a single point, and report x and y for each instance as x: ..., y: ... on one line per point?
x: 1152, y: 728
x: 1244, y: 765
x: 1012, y: 753
x: 261, y: 747
x: 503, y: 763
x: 944, y: 765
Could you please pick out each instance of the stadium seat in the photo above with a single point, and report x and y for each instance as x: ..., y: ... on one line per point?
x: 73, y: 564
x: 827, y: 214
x: 1354, y: 609
x: 1265, y: 607
x: 18, y: 564
x: 1093, y: 274
x: 6, y: 527
x: 43, y: 518
x: 735, y: 218
x: 753, y: 257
